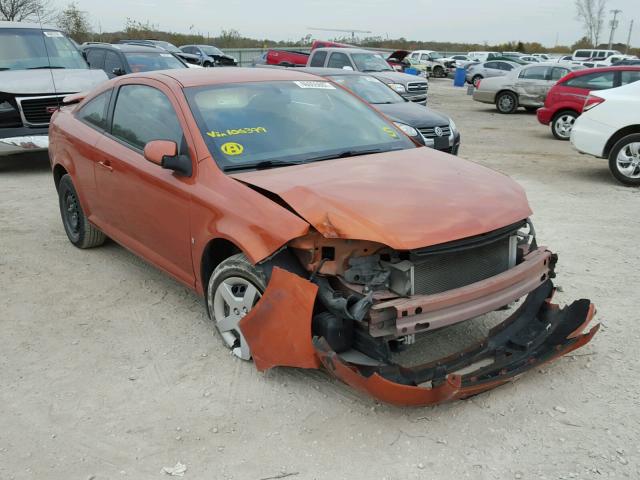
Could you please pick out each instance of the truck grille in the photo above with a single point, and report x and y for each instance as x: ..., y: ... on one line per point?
x: 440, y: 272
x: 417, y: 87
x: 38, y: 110
x: 429, y: 132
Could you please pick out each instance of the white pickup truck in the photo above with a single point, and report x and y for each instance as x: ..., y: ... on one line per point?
x: 39, y: 66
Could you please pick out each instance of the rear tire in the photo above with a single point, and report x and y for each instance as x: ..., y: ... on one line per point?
x: 438, y: 72
x: 507, y: 102
x: 80, y: 232
x: 562, y: 124
x: 234, y: 288
x: 624, y: 160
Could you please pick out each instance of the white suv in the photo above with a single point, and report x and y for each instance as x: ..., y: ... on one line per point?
x: 609, y: 127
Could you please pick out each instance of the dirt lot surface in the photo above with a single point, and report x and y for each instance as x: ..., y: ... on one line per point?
x: 109, y: 369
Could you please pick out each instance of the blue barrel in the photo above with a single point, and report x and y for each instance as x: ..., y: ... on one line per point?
x: 411, y: 71
x: 459, y: 79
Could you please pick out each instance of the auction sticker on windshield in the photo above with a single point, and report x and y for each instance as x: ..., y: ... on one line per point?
x: 232, y: 148
x: 311, y: 84
x: 53, y: 34
x: 236, y: 131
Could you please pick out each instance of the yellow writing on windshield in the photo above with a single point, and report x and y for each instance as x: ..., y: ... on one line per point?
x: 236, y: 131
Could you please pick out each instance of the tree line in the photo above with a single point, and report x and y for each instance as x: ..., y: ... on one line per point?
x: 77, y: 24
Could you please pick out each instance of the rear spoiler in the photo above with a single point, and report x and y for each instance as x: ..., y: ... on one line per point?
x: 74, y: 98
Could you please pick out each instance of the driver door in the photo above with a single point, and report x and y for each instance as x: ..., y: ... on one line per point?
x: 145, y: 206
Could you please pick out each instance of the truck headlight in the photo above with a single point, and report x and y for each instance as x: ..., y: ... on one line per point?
x: 6, y: 107
x: 409, y: 130
x: 452, y: 126
x: 397, y: 87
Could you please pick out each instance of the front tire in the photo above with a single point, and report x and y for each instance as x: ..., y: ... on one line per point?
x: 507, y: 102
x: 438, y: 72
x: 562, y: 124
x: 234, y: 288
x: 80, y: 232
x: 207, y: 64
x: 624, y: 160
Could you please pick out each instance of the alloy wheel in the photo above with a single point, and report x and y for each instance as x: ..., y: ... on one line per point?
x: 232, y: 301
x: 564, y: 124
x: 628, y: 160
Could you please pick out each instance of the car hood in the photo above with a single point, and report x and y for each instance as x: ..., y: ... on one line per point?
x: 413, y: 114
x: 184, y: 55
x: 45, y: 81
x: 404, y: 199
x: 396, y: 77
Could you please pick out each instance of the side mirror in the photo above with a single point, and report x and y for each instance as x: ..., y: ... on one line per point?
x: 117, y: 71
x: 164, y: 153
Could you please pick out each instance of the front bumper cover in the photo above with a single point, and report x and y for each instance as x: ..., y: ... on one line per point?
x: 278, y: 331
x: 23, y: 140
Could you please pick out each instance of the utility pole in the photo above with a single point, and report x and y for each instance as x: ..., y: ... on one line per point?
x: 614, y: 25
x: 629, y: 38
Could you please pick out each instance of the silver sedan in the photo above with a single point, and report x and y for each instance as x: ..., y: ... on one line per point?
x: 523, y: 87
x: 492, y: 68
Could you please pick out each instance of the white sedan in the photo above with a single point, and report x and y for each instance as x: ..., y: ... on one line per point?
x: 609, y: 127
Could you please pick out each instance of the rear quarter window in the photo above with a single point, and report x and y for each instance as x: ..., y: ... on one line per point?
x: 318, y: 59
x: 94, y: 112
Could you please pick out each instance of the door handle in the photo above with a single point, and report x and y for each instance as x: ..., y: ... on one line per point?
x: 106, y: 164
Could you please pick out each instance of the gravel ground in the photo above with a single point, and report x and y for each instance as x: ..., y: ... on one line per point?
x: 109, y: 369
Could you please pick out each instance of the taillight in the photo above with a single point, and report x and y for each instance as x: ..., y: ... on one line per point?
x: 591, y: 102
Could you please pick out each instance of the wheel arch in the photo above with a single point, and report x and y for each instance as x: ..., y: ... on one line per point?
x: 507, y: 90
x: 623, y: 132
x: 560, y: 111
x: 215, y: 252
x: 58, y: 172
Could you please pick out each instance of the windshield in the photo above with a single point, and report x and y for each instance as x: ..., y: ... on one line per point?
x: 23, y: 49
x: 146, y: 62
x: 370, y: 62
x: 251, y: 125
x: 368, y: 88
x: 212, y: 50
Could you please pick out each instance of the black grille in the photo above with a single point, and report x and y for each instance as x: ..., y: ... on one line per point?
x: 39, y: 110
x: 417, y: 87
x: 445, y: 271
x: 429, y: 132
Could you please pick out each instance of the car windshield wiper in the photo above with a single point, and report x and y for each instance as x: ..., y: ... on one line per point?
x: 345, y: 154
x: 260, y: 165
x: 45, y: 66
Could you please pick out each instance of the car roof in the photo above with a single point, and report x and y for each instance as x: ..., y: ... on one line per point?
x: 31, y: 26
x: 348, y: 50
x: 323, y: 72
x: 125, y: 48
x: 197, y: 77
x: 616, y: 68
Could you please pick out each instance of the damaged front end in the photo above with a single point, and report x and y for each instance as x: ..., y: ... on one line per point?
x: 349, y: 305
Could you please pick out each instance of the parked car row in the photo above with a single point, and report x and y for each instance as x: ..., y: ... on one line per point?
x: 562, y: 94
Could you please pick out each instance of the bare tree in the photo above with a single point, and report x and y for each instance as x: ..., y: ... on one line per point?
x: 26, y: 10
x: 591, y: 13
x: 74, y: 22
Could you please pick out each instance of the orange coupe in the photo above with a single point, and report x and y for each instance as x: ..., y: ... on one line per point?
x: 317, y: 232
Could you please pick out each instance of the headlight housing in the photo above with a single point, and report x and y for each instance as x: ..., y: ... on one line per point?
x: 409, y: 130
x: 452, y: 126
x: 6, y: 107
x: 397, y: 87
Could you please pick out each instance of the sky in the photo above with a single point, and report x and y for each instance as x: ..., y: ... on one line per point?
x: 493, y: 21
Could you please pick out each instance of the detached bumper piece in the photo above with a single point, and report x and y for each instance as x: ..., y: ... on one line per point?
x: 538, y: 332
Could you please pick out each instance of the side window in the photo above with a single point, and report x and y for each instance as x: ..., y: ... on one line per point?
x: 94, y: 112
x: 415, y: 56
x: 592, y: 81
x: 629, y: 76
x: 583, y: 54
x: 558, y: 73
x: 143, y: 114
x: 534, y: 73
x: 424, y: 57
x: 189, y: 50
x: 318, y: 59
x: 493, y: 65
x: 339, y: 60
x: 111, y: 62
x: 95, y: 58
x: 505, y: 66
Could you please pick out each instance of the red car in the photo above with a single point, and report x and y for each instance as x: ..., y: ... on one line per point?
x: 566, y: 98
